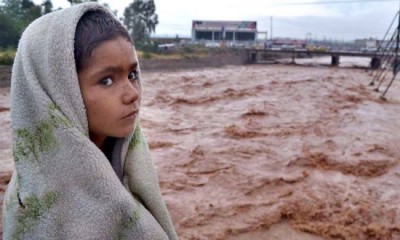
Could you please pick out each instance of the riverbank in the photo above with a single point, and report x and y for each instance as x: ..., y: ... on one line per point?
x: 167, y: 63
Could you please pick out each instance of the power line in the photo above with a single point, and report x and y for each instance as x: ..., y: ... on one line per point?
x: 330, y: 2
x: 308, y: 25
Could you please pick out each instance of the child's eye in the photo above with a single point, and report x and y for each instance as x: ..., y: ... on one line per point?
x: 133, y: 75
x: 106, y: 81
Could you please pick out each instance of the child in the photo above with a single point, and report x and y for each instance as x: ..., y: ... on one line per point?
x: 82, y: 166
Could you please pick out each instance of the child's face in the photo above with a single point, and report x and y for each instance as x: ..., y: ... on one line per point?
x: 110, y: 90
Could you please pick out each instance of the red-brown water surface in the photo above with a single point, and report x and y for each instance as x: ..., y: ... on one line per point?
x: 269, y: 152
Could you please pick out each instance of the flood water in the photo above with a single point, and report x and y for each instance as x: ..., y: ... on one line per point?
x: 269, y: 151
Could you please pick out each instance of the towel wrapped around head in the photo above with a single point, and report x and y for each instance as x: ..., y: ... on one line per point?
x: 63, y: 186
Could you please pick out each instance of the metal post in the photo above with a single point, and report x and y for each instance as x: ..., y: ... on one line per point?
x: 271, y: 29
x: 396, y: 60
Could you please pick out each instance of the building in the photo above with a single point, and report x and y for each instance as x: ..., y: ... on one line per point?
x: 289, y: 43
x: 230, y: 31
x: 366, y: 44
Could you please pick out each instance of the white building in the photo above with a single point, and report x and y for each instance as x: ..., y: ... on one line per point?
x: 230, y: 31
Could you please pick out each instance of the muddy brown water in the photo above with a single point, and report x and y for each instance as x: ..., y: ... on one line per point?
x: 268, y: 152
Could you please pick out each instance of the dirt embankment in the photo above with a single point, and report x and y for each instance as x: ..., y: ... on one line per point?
x: 212, y: 59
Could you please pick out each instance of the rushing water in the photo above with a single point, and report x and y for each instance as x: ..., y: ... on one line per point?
x: 270, y: 151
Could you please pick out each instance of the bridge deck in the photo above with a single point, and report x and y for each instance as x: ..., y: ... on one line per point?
x: 316, y: 52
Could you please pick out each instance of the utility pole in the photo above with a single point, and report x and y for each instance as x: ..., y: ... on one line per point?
x: 271, y: 29
x: 308, y: 38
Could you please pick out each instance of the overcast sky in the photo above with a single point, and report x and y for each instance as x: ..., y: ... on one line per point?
x: 290, y: 18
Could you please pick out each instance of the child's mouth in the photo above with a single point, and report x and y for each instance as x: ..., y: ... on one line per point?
x: 132, y: 115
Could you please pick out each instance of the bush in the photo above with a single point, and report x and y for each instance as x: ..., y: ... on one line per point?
x: 146, y: 55
x: 147, y: 47
x: 7, y: 58
x: 189, y: 49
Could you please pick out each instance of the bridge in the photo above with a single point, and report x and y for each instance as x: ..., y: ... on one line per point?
x: 253, y: 55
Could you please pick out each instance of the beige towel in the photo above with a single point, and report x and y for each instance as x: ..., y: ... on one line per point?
x: 63, y: 186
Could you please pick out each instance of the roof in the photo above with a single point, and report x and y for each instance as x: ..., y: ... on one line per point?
x: 250, y: 26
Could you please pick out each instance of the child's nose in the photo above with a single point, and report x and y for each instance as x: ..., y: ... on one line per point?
x: 130, y: 93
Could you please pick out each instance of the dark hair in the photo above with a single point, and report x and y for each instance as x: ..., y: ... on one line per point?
x: 94, y: 28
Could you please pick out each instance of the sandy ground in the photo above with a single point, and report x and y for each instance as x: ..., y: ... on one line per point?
x: 269, y: 152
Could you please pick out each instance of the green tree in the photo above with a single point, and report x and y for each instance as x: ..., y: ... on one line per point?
x: 140, y: 19
x: 16, y: 15
x: 47, y: 7
x: 8, y: 31
x: 30, y: 12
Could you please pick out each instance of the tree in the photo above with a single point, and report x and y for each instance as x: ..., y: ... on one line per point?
x: 8, y: 32
x: 15, y: 16
x: 47, y: 7
x: 30, y: 12
x: 141, y: 20
x: 22, y: 12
